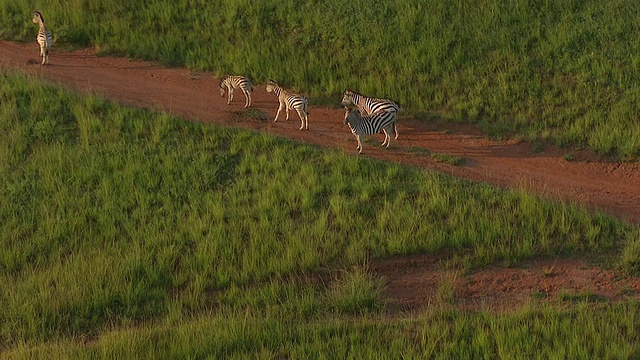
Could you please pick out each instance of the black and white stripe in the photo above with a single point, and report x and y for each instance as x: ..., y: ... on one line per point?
x: 366, y: 125
x: 290, y: 101
x: 230, y: 83
x: 44, y: 37
x: 368, y: 106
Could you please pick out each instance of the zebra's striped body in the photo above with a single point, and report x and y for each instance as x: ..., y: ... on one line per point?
x: 230, y: 83
x: 44, y: 37
x: 290, y: 101
x: 368, y: 106
x: 366, y: 125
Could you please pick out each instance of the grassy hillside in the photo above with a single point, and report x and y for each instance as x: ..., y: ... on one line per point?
x: 127, y: 233
x: 565, y: 71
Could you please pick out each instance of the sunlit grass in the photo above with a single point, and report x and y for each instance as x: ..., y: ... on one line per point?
x: 128, y: 233
x: 449, y: 159
x: 535, y: 332
x: 561, y: 71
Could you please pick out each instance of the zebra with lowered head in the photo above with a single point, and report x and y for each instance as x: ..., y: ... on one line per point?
x: 44, y: 37
x: 366, y: 125
x: 230, y: 83
x: 290, y: 101
x: 368, y: 106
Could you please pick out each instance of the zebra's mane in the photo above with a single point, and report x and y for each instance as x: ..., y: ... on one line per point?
x: 222, y: 80
x: 277, y: 87
x: 353, y: 93
x: 367, y: 97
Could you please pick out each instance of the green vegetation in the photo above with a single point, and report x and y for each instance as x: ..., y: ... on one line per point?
x: 534, y: 333
x: 438, y: 157
x: 449, y: 159
x: 129, y: 234
x: 559, y: 71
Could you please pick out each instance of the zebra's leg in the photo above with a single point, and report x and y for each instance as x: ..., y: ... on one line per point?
x: 395, y: 130
x: 247, y: 98
x: 287, y: 110
x: 302, y: 116
x: 230, y: 98
x: 278, y: 113
x: 359, y: 144
x: 387, y: 137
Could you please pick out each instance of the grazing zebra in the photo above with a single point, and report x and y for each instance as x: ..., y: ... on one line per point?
x: 365, y: 125
x: 230, y: 83
x: 44, y: 37
x: 368, y: 105
x: 290, y: 101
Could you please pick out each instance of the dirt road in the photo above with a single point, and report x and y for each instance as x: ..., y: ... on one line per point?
x: 610, y: 187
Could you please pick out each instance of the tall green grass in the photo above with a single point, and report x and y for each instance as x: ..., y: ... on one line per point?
x: 127, y: 232
x: 561, y: 71
x: 608, y: 332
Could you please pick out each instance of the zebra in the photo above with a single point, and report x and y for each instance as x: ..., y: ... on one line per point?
x: 290, y: 101
x: 230, y: 83
x: 368, y: 106
x: 365, y: 125
x: 44, y: 37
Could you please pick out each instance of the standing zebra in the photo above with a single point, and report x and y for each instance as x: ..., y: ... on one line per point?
x: 290, y: 101
x: 44, y: 37
x: 365, y: 125
x: 368, y: 106
x: 230, y: 83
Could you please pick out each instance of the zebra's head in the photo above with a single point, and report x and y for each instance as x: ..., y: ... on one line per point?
x: 349, y: 115
x: 37, y: 17
x: 347, y: 98
x: 223, y: 88
x: 271, y: 86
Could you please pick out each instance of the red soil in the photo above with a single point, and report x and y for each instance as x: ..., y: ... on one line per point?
x: 422, y: 281
x: 605, y: 186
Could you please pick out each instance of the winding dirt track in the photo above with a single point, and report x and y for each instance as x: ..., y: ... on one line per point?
x: 613, y: 188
